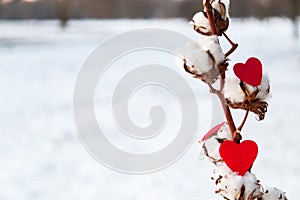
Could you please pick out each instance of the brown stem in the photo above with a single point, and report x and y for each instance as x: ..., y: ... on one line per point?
x: 233, y: 45
x: 210, y: 17
x: 244, y: 121
x: 213, y: 90
x: 226, y: 109
x: 229, y: 117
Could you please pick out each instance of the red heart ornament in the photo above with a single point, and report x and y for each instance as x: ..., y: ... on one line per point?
x: 212, y: 131
x: 239, y: 157
x: 250, y: 72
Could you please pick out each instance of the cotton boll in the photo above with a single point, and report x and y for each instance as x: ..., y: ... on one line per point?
x: 182, y: 53
x: 264, y: 89
x: 252, y: 186
x: 224, y: 133
x: 229, y: 184
x: 226, y: 3
x: 274, y: 194
x: 222, y: 7
x: 212, y: 145
x: 211, y: 44
x: 201, y: 23
x: 216, y: 6
x: 210, y: 149
x: 232, y: 90
x: 197, y: 60
x: 202, y: 56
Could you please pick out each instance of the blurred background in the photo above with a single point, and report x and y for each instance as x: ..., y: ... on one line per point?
x: 78, y: 9
x: 43, y: 44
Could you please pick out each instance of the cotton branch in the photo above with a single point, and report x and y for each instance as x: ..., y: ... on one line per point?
x: 210, y: 17
x: 235, y: 135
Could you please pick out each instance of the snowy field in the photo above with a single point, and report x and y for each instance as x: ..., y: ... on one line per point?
x: 41, y: 154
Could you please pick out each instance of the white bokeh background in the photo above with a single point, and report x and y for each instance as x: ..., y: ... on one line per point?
x: 42, y: 157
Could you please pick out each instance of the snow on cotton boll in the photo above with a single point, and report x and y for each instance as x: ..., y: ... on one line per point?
x: 264, y: 89
x: 233, y: 91
x: 274, y: 194
x: 202, y: 56
x: 201, y: 23
x: 222, y: 6
x: 210, y: 143
x: 239, y: 95
x: 195, y: 59
x: 232, y: 186
x: 211, y: 44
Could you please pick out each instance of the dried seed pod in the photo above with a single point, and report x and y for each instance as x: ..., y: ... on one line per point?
x: 239, y: 95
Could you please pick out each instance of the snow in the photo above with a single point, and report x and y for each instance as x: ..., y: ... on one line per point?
x: 42, y: 157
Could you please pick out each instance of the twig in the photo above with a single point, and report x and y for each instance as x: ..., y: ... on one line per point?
x: 225, y: 107
x: 244, y: 120
x: 229, y: 118
x: 233, y: 45
x: 213, y: 90
x: 210, y: 17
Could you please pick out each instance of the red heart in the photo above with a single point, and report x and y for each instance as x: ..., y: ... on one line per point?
x: 239, y: 157
x: 250, y: 72
x: 212, y: 131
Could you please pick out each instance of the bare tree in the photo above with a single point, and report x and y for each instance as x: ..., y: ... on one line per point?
x: 294, y: 16
x: 63, y: 10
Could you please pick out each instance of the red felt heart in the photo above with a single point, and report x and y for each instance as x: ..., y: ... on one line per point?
x: 239, y: 157
x: 250, y: 72
x: 212, y: 131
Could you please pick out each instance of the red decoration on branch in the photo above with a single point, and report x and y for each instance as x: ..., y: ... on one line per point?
x: 212, y: 131
x: 250, y: 72
x: 239, y: 157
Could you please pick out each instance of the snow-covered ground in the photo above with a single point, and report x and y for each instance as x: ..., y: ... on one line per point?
x: 42, y: 157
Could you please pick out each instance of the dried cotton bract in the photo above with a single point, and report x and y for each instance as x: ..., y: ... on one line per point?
x: 222, y: 6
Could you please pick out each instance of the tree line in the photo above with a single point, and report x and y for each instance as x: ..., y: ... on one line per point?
x: 48, y: 9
